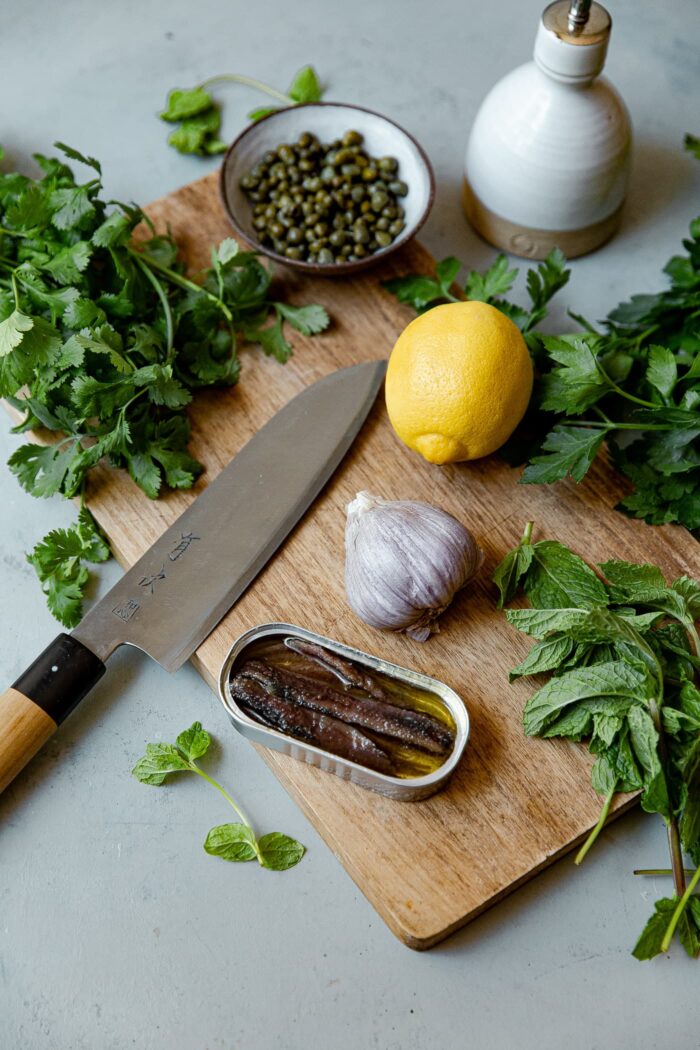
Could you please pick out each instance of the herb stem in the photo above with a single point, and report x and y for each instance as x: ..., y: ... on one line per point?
x: 599, y: 826
x: 623, y: 393
x: 183, y: 282
x: 674, y: 838
x: 680, y: 908
x: 659, y: 871
x: 210, y: 780
x: 527, y: 534
x: 15, y: 291
x: 160, y: 292
x: 259, y: 85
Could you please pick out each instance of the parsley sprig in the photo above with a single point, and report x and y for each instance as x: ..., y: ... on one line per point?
x: 632, y: 383
x: 198, y: 115
x: 104, y: 338
x: 233, y: 842
x: 622, y: 648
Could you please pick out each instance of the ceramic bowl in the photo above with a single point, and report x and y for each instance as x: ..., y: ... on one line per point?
x: 328, y: 121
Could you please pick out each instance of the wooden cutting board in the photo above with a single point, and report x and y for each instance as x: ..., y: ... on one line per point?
x: 514, y: 804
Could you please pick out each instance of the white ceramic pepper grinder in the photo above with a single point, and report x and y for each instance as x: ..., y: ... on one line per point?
x: 548, y: 157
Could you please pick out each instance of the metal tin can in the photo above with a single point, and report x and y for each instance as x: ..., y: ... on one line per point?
x: 403, y: 789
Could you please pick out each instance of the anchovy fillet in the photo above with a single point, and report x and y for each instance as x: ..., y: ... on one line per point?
x: 309, y: 725
x: 401, y: 723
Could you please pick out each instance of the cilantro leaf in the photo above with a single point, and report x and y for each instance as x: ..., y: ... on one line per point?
x: 309, y: 320
x: 58, y: 562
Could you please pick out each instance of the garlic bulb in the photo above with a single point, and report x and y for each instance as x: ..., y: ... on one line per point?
x: 404, y: 562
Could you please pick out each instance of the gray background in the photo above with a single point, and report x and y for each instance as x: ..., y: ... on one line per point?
x: 116, y: 930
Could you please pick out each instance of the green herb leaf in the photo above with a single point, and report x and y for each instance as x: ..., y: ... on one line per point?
x: 494, y: 282
x: 309, y: 320
x: 649, y: 943
x: 509, y: 573
x: 194, y: 742
x: 569, y: 451
x: 662, y: 371
x: 305, y: 86
x: 182, y: 104
x: 158, y: 762
x: 234, y: 842
x: 558, y: 578
x: 279, y: 852
x: 613, y: 681
x: 546, y: 655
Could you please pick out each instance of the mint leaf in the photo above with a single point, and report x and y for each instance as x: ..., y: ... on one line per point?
x: 234, y: 842
x: 190, y: 102
x: 508, y: 575
x: 546, y: 655
x: 559, y: 579
x: 612, y: 681
x: 649, y: 943
x: 158, y: 762
x: 540, y: 622
x: 279, y: 852
x: 305, y: 86
x: 194, y: 742
x: 626, y: 579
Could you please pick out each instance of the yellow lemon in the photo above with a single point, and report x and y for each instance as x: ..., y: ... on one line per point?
x: 458, y: 382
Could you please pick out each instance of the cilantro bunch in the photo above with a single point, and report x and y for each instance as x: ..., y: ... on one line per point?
x: 198, y: 116
x: 104, y: 340
x: 622, y: 648
x: 633, y: 383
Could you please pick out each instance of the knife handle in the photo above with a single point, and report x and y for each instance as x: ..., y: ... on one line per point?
x: 36, y: 704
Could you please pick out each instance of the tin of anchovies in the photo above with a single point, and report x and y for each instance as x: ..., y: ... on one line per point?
x: 263, y: 728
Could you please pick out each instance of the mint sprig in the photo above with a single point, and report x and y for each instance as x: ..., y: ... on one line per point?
x: 233, y: 842
x: 622, y: 650
x: 198, y: 115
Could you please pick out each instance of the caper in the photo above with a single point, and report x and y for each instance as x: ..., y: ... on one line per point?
x: 337, y: 238
x: 276, y: 228
x: 362, y: 160
x: 360, y: 251
x: 326, y: 256
x: 269, y: 157
x: 382, y: 223
x: 398, y: 187
x: 294, y: 235
x: 279, y: 246
x: 309, y: 236
x: 360, y: 233
x: 349, y: 216
x: 357, y: 193
x: 343, y: 156
x: 345, y: 251
x: 321, y: 229
x: 327, y: 173
x: 350, y: 171
x: 352, y: 138
x: 352, y: 257
x: 378, y: 200
x: 389, y: 212
x: 257, y: 172
x: 304, y: 164
x: 248, y: 182
x: 396, y: 227
x: 293, y: 253
x: 286, y: 153
x: 369, y: 173
x: 388, y: 164
x: 305, y: 139
x: 259, y: 222
x: 383, y: 238
x: 365, y: 206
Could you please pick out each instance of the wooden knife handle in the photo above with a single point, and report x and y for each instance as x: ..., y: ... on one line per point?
x: 36, y: 704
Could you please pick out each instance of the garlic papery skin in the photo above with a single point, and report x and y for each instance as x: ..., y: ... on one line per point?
x: 404, y: 562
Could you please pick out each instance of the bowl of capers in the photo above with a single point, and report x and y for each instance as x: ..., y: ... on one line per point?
x: 325, y: 187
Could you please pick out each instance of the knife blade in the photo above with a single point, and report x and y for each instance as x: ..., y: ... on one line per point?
x: 176, y: 593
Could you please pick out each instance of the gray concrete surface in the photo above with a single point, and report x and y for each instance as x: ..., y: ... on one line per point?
x: 116, y: 930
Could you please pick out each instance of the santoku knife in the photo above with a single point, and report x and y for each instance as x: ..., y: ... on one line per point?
x: 177, y: 592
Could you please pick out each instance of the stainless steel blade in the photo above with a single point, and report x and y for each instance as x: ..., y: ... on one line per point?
x: 177, y: 592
